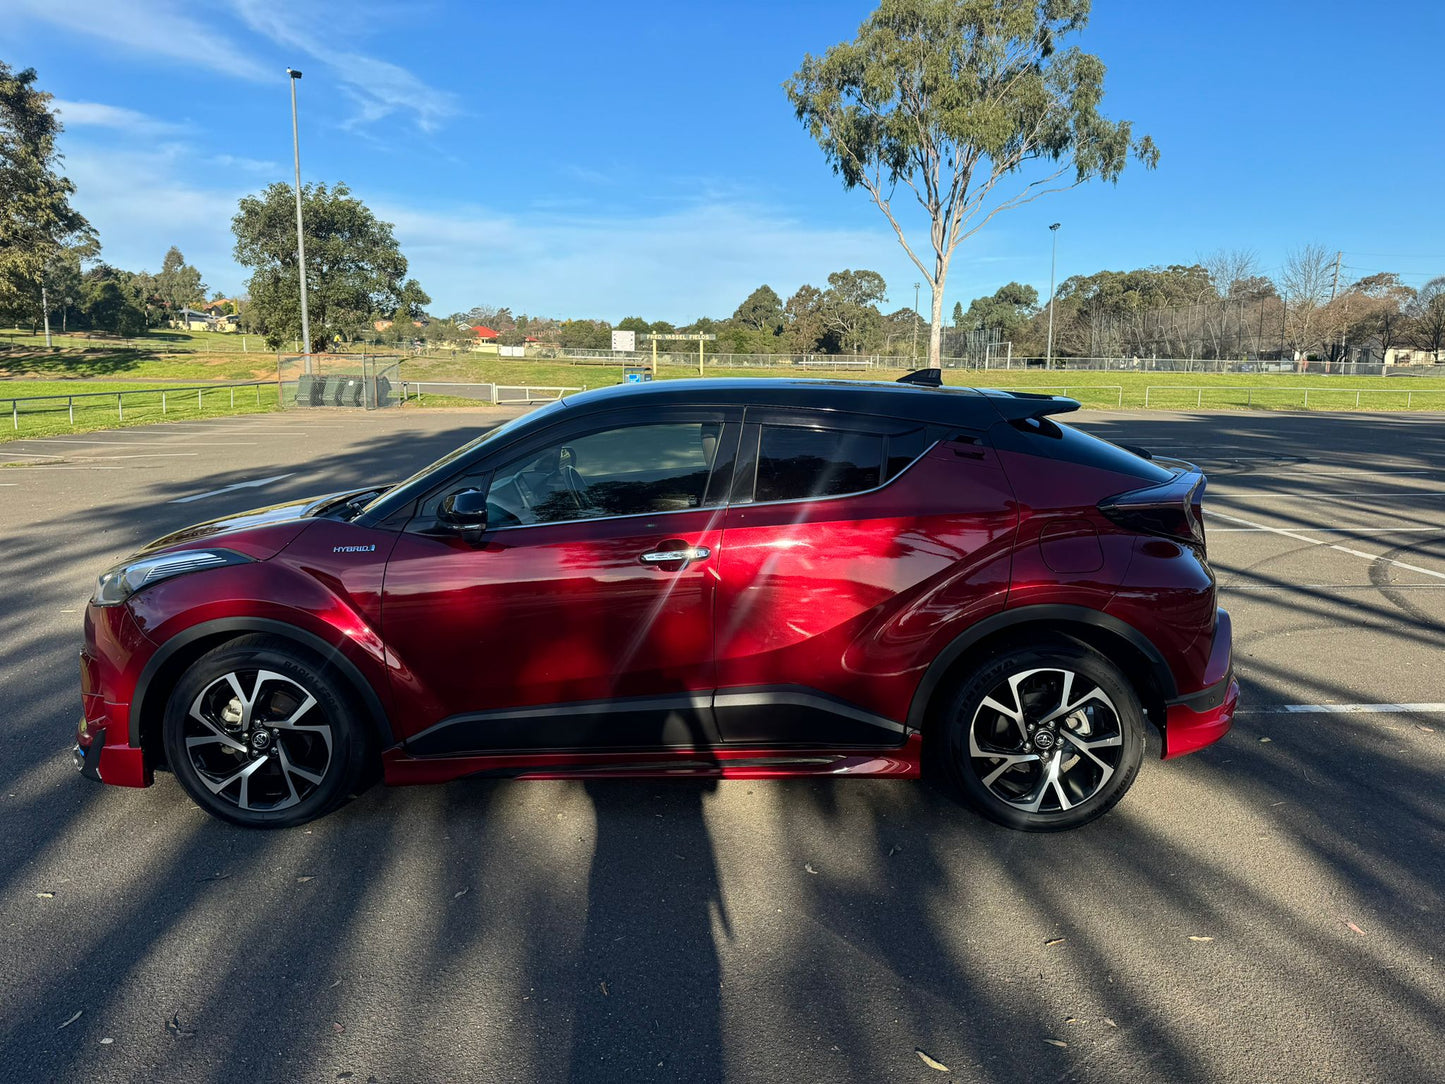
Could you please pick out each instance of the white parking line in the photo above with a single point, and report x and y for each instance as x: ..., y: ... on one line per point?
x: 1334, y: 530
x: 1346, y: 709
x: 1333, y: 586
x: 228, y: 489
x: 1330, y: 545
x: 139, y: 455
x: 143, y: 443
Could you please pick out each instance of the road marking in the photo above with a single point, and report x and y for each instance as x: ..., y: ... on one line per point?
x: 1347, y: 709
x: 137, y: 455
x: 144, y: 443
x: 1333, y: 586
x: 229, y: 489
x: 1330, y: 545
x: 1333, y: 530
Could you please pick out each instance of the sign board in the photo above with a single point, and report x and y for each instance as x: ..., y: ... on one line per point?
x: 624, y: 340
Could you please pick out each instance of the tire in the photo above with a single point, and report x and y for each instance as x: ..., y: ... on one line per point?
x: 1046, y: 738
x: 262, y: 736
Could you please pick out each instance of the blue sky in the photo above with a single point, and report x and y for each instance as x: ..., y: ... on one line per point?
x: 584, y: 159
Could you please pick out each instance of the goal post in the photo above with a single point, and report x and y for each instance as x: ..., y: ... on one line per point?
x: 698, y: 337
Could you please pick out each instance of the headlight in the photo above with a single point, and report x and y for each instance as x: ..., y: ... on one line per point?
x: 124, y: 580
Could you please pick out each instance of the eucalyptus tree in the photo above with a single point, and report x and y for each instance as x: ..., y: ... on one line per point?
x: 972, y: 107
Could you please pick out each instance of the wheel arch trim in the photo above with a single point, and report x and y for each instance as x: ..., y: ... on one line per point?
x: 231, y: 627
x: 1005, y: 620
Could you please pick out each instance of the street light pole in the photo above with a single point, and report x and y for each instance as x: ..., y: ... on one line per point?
x: 916, y: 287
x: 1053, y: 266
x: 300, y: 238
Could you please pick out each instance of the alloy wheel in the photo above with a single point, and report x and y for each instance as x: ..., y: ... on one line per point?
x: 1045, y: 740
x: 258, y: 740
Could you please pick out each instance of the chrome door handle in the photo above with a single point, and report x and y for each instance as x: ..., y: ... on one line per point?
x: 686, y: 554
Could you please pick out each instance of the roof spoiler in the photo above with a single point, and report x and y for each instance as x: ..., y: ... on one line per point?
x: 1019, y: 405
x: 924, y: 378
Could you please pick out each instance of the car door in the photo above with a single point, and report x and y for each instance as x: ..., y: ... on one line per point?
x: 849, y: 538
x: 581, y: 617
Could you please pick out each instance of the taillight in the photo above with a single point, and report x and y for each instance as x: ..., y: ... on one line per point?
x: 1174, y: 509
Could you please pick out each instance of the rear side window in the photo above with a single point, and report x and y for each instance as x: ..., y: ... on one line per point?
x: 795, y: 463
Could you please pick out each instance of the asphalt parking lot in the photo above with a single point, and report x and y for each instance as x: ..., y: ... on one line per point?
x: 1269, y: 909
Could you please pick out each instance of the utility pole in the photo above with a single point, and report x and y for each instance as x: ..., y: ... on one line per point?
x: 1334, y: 288
x: 45, y: 306
x: 300, y: 238
x: 1053, y: 266
x: 916, y: 287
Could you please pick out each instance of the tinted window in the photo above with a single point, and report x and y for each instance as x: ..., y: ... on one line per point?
x: 617, y: 472
x: 796, y: 463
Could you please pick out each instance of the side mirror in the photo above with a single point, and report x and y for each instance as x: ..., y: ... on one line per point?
x: 465, y: 510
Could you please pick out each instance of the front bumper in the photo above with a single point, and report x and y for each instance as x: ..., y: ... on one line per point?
x: 114, y: 648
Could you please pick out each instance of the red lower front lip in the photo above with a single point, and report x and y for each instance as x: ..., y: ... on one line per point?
x: 1186, y: 730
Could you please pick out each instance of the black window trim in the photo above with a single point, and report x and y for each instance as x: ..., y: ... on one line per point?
x: 573, y: 428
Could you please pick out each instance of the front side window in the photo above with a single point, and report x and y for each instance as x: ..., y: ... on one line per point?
x: 632, y: 470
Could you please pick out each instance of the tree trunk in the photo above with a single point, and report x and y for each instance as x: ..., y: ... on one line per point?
x: 935, y: 328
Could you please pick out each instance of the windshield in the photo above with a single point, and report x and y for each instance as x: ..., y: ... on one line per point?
x: 419, y: 478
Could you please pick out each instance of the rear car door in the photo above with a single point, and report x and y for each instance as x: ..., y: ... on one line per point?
x: 849, y: 541
x: 581, y: 618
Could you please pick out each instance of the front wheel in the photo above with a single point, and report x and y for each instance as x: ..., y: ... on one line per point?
x: 1043, y: 739
x: 261, y: 736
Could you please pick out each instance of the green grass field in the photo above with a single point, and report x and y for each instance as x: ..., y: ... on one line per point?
x: 1093, y: 389
x: 31, y: 373
x: 158, y: 403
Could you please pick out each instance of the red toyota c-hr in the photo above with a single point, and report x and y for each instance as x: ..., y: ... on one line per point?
x: 736, y: 578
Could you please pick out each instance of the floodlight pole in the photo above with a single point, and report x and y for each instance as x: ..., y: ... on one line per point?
x: 300, y: 238
x: 1053, y: 267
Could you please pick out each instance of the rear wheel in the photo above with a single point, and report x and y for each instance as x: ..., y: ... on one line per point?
x: 1047, y: 738
x: 261, y: 736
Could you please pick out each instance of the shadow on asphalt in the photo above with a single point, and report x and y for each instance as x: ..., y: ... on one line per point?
x: 650, y: 931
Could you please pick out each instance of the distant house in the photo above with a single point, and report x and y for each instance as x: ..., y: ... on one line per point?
x: 485, y: 334
x: 189, y: 319
x: 1371, y: 354
x: 222, y: 306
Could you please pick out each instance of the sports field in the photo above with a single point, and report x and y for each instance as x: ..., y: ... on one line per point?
x: 36, y: 373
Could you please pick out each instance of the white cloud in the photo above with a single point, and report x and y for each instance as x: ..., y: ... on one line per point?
x: 152, y: 27
x: 316, y: 30
x: 140, y: 205
x: 261, y: 166
x: 100, y: 115
x: 379, y: 87
x: 693, y: 260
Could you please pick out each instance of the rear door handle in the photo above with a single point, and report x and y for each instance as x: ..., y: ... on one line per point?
x: 686, y: 555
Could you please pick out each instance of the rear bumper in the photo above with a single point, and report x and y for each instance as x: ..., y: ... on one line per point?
x: 1202, y: 718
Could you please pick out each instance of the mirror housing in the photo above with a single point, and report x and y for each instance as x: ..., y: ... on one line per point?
x: 465, y: 511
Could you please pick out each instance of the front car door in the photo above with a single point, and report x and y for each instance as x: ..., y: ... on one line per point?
x: 581, y: 618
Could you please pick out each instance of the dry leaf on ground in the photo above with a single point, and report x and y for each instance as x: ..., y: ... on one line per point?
x: 932, y: 1063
